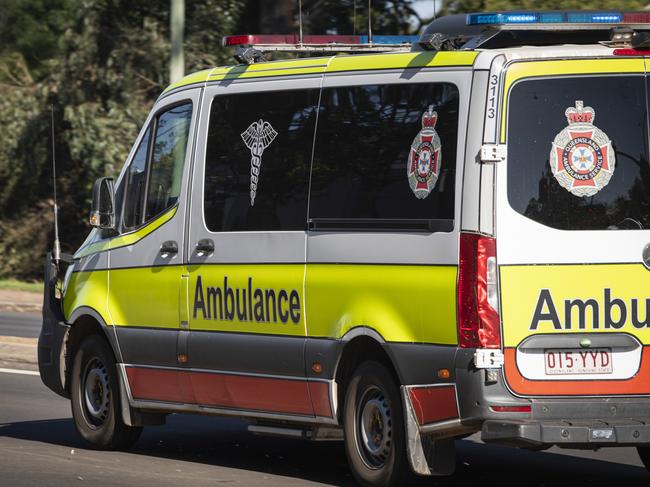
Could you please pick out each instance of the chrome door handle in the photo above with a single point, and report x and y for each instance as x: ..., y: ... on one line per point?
x: 168, y: 248
x: 204, y: 246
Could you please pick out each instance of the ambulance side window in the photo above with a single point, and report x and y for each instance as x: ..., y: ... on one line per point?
x: 258, y: 154
x: 363, y: 154
x: 153, y: 179
x: 135, y: 180
x: 168, y: 159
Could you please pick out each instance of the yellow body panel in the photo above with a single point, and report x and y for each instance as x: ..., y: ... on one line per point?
x: 126, y: 238
x: 401, y: 303
x: 274, y: 68
x: 401, y: 60
x: 333, y: 64
x: 611, y: 287
x: 198, y: 77
x: 145, y: 296
x: 288, y: 277
x: 535, y: 69
x: 87, y: 289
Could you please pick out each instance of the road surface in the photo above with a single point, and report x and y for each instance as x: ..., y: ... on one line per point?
x: 26, y: 325
x: 39, y: 447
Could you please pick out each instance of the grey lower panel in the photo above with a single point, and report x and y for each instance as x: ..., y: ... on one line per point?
x: 150, y: 346
x: 418, y: 363
x: 568, y: 433
x: 247, y: 352
x: 274, y: 354
x: 325, y: 352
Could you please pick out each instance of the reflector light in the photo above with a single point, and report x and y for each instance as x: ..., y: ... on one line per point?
x: 257, y: 39
x: 511, y: 409
x: 478, y: 318
x: 556, y: 18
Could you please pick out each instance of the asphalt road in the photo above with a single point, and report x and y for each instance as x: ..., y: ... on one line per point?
x: 39, y: 447
x: 26, y: 325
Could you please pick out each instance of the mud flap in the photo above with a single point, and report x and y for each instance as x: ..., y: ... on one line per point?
x: 426, y: 456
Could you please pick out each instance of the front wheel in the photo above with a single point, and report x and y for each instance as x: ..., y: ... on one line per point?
x: 375, y: 438
x: 95, y: 398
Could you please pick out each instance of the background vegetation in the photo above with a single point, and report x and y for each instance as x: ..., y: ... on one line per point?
x: 102, y: 63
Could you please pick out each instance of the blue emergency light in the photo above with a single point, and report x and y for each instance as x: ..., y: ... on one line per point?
x: 576, y: 17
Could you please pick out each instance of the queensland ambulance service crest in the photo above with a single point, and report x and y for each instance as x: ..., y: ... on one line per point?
x: 425, y: 157
x: 582, y: 158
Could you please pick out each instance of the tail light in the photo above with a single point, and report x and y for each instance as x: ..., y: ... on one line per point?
x: 478, y: 316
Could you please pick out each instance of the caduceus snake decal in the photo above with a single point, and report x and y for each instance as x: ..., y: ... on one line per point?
x: 257, y: 137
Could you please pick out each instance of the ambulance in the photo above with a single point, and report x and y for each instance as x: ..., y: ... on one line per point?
x: 397, y: 247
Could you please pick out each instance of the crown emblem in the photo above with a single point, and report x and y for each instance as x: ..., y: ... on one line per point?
x: 429, y: 118
x: 580, y: 114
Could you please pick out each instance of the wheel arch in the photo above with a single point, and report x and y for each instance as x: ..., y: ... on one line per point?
x: 360, y: 344
x: 85, y: 321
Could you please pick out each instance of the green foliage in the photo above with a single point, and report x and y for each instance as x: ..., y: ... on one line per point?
x: 457, y: 6
x: 15, y: 285
x: 102, y: 63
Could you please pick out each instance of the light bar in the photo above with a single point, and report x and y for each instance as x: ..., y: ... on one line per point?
x: 320, y: 40
x: 574, y: 17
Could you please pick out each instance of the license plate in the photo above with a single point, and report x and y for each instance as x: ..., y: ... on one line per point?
x: 571, y: 361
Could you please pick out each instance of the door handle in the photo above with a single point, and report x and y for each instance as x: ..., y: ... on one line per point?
x: 205, y: 246
x: 168, y: 248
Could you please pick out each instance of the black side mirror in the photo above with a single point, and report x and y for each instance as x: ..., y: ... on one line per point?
x: 102, y: 213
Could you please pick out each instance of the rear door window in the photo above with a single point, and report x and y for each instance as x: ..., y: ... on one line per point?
x: 578, y: 152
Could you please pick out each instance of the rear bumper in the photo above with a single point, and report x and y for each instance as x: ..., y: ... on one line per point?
x: 577, y: 434
x: 584, y: 422
x: 53, y: 334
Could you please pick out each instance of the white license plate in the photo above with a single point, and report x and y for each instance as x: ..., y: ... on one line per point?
x: 572, y: 361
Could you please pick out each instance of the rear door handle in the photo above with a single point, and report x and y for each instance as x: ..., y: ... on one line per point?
x: 168, y: 248
x: 205, y: 246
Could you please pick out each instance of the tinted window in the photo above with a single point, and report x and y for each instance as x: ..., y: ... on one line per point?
x: 168, y: 159
x: 363, y: 156
x: 601, y: 191
x: 136, y: 180
x: 257, y: 160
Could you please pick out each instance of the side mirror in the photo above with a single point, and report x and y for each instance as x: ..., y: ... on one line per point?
x: 102, y: 212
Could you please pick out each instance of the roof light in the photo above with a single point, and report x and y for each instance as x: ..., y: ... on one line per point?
x: 293, y: 39
x: 502, y: 18
x: 631, y: 52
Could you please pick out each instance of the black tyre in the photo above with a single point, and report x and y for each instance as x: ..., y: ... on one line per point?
x: 95, y: 398
x: 375, y: 438
x: 644, y: 453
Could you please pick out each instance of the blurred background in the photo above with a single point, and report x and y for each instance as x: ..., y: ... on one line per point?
x: 102, y: 63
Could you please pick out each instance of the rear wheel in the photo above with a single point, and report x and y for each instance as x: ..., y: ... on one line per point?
x: 644, y: 453
x: 375, y: 439
x: 95, y: 398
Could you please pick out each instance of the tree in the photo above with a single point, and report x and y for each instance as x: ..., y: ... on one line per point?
x: 458, y: 6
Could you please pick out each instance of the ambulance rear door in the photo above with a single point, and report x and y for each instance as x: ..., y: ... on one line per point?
x: 573, y: 227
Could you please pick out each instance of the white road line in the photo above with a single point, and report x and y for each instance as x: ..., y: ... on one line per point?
x: 18, y: 371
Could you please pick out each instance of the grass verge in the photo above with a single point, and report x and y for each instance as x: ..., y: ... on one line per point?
x: 16, y: 285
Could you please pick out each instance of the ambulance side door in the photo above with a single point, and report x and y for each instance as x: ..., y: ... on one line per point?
x: 146, y: 258
x: 247, y: 246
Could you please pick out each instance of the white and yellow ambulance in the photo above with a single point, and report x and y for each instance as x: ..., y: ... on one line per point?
x: 395, y: 248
